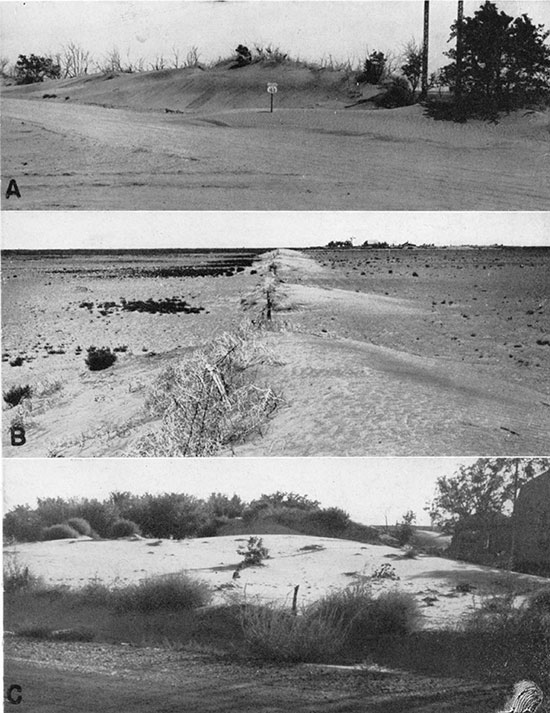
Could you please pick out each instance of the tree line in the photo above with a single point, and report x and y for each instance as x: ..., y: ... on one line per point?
x: 504, y: 65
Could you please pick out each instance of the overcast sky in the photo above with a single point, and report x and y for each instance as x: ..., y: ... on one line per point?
x: 370, y: 489
x: 308, y: 29
x: 189, y: 229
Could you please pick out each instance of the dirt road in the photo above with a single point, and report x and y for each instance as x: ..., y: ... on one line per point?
x: 89, y: 678
x: 73, y: 156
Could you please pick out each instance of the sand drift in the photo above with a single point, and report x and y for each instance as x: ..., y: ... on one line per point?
x: 358, y: 370
x: 68, y: 155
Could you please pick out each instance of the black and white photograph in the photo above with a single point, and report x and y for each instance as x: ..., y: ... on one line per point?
x: 275, y: 105
x: 383, y: 335
x: 275, y: 318
x: 351, y: 584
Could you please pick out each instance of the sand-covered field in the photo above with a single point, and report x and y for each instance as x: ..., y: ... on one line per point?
x: 193, y: 140
x: 319, y: 565
x: 108, y: 675
x: 374, y: 352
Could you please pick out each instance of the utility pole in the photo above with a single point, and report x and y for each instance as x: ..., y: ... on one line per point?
x: 459, y: 52
x: 425, y: 50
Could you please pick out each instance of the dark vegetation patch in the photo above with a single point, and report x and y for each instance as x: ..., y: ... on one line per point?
x: 16, y: 394
x: 99, y: 358
x: 167, y: 305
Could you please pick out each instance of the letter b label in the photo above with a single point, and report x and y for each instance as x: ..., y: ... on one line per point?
x: 17, y: 436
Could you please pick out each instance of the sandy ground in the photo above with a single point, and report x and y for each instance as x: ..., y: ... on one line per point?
x: 369, y: 359
x: 318, y: 565
x: 90, y: 678
x: 67, y: 155
x: 85, y: 678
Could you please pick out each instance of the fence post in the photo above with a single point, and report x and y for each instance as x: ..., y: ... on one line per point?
x: 295, y: 599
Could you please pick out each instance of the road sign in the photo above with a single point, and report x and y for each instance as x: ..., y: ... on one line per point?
x: 272, y: 87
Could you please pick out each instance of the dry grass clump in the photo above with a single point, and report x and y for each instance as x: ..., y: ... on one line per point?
x: 366, y: 617
x: 174, y: 592
x: 210, y: 400
x: 275, y: 634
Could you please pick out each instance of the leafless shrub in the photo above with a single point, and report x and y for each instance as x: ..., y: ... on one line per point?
x: 192, y: 58
x: 74, y: 60
x: 210, y: 400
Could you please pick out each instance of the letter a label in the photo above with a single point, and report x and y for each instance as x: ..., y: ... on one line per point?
x: 13, y: 189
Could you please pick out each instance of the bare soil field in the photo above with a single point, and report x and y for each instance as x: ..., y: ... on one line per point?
x: 114, y: 672
x: 374, y: 352
x: 196, y: 140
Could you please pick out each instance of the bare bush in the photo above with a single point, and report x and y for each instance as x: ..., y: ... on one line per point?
x: 74, y: 60
x: 210, y: 400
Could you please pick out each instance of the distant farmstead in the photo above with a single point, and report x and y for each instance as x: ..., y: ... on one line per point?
x: 532, y: 514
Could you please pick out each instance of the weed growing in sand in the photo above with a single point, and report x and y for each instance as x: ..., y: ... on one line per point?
x: 210, y: 400
x: 385, y: 571
x: 253, y: 552
x: 99, y: 358
x: 16, y: 394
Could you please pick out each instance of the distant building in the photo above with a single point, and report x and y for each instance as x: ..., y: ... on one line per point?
x: 532, y: 526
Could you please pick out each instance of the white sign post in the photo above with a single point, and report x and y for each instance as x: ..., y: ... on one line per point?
x: 272, y: 89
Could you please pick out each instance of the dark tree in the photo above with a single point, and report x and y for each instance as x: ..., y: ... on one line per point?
x: 505, y: 62
x: 484, y: 489
x: 29, y: 70
x: 373, y: 68
x: 412, y: 69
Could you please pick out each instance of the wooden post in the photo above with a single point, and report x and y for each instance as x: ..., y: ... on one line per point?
x: 295, y: 599
x: 271, y: 95
x: 425, y: 50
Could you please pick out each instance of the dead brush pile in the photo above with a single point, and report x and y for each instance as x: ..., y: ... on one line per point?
x: 211, y: 400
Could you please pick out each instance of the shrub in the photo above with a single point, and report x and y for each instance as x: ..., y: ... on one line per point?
x: 99, y: 358
x: 364, y: 617
x: 209, y: 401
x: 254, y: 552
x: 80, y: 525
x: 174, y: 591
x: 398, y: 93
x: 274, y: 634
x: 16, y: 394
x: 403, y: 533
x: 385, y: 571
x: 331, y: 521
x: 17, y: 576
x: 58, y: 532
x: 124, y: 528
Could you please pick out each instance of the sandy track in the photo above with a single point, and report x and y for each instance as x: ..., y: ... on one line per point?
x: 72, y: 156
x: 89, y: 678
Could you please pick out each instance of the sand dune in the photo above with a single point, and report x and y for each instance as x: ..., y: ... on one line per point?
x: 112, y: 145
x: 318, y: 565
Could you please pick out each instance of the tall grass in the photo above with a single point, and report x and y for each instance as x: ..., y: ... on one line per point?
x: 210, y: 400
x: 366, y: 617
x: 16, y: 575
x: 275, y: 634
x: 174, y: 592
x: 339, y: 624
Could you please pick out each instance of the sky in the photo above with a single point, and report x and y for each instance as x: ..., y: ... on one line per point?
x: 201, y: 229
x: 371, y: 490
x: 310, y: 29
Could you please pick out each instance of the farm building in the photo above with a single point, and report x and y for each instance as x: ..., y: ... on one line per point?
x: 532, y: 525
